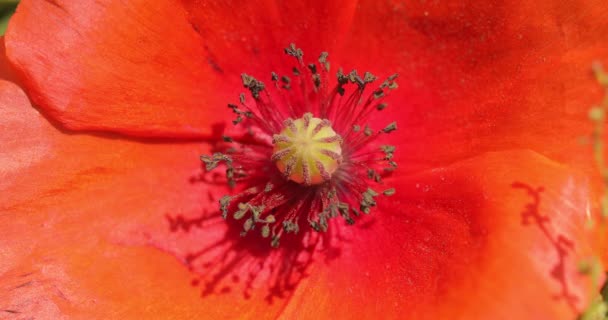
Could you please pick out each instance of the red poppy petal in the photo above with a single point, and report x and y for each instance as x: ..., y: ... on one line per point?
x: 136, y: 67
x: 455, y: 244
x: 475, y: 76
x: 69, y: 203
x: 6, y: 72
x: 250, y: 36
x: 483, y: 76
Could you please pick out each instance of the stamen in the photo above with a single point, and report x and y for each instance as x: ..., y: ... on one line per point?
x: 391, y: 127
x: 252, y: 84
x: 323, y: 60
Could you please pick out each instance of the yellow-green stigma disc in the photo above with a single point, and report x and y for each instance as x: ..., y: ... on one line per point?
x: 308, y: 150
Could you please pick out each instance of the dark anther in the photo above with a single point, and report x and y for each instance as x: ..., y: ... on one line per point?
x: 342, y: 78
x: 317, y: 80
x: 313, y: 68
x: 295, y: 52
x: 359, y: 81
x: 379, y: 93
x: 389, y: 192
x: 254, y: 85
x: 354, y: 77
x: 369, y: 77
x: 391, y: 127
x: 323, y: 60
x: 381, y: 106
x: 224, y: 203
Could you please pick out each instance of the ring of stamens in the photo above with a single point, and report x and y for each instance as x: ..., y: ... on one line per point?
x: 307, y: 151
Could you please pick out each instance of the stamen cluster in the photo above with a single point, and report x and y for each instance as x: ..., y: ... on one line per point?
x: 291, y: 174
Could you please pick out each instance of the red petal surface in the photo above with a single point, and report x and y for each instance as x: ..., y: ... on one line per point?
x: 6, y: 71
x: 453, y: 243
x: 69, y: 203
x: 475, y: 76
x: 76, y: 206
x: 135, y: 67
x: 462, y: 242
x: 479, y: 76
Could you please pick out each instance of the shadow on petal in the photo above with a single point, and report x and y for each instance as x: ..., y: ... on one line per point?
x: 223, y: 260
x: 532, y: 215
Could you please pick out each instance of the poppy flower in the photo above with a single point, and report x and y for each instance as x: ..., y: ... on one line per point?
x: 108, y: 106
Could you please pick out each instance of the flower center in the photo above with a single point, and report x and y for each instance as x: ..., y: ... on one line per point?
x: 290, y: 176
x: 308, y: 150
